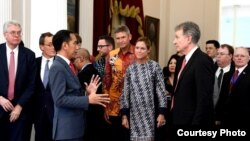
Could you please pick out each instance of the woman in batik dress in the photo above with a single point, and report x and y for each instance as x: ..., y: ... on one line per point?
x: 144, y: 99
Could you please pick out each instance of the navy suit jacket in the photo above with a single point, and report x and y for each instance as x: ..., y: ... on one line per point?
x: 25, y: 78
x: 43, y: 97
x: 69, y: 101
x: 237, y: 108
x: 193, y: 103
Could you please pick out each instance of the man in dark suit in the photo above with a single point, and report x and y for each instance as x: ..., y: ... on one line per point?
x: 237, y: 109
x: 222, y: 79
x: 95, y: 118
x: 70, y: 102
x: 192, y: 104
x: 44, y: 106
x: 17, y: 73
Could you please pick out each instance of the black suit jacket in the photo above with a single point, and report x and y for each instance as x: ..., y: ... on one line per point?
x: 95, y: 118
x: 25, y: 78
x: 43, y: 97
x: 237, y: 109
x: 224, y: 93
x: 193, y: 104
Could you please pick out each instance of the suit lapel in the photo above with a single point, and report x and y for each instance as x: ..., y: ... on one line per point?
x: 3, y: 59
x: 64, y: 63
x: 20, y: 60
x: 241, y: 76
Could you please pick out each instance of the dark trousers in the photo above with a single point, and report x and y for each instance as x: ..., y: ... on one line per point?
x: 115, y: 131
x: 43, y: 128
x: 14, y: 131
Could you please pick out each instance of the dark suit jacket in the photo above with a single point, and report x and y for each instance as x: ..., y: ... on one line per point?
x: 237, y: 109
x: 193, y: 104
x: 224, y: 93
x: 25, y: 78
x: 43, y: 96
x: 69, y: 102
x: 95, y: 118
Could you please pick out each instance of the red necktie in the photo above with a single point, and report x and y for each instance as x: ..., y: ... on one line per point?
x: 72, y: 67
x: 182, y: 67
x: 12, y: 76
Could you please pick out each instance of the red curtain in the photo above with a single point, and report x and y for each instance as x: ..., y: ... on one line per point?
x: 131, y: 11
x: 101, y: 21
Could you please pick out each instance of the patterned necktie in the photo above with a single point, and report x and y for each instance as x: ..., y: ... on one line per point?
x: 46, y: 74
x: 72, y: 67
x: 12, y: 76
x: 220, y: 78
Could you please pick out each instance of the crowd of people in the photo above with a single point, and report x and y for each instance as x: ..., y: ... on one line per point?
x: 122, y: 95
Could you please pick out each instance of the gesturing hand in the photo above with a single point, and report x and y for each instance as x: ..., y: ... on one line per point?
x: 93, y: 84
x: 100, y: 99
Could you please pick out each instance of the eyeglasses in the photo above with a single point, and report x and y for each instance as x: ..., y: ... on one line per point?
x: 14, y: 33
x: 101, y: 46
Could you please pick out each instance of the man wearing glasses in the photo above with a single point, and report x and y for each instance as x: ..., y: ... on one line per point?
x: 44, y: 106
x: 17, y: 73
x: 105, y: 45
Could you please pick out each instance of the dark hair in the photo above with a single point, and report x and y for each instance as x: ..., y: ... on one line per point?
x: 214, y: 42
x: 42, y: 37
x: 229, y: 47
x: 166, y: 72
x: 60, y: 37
x: 108, y: 39
x: 78, y: 38
x: 190, y: 28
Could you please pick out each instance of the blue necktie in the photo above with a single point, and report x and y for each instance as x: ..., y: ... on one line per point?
x: 46, y: 74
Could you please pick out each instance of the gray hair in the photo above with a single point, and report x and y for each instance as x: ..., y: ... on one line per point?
x: 190, y: 28
x: 9, y: 23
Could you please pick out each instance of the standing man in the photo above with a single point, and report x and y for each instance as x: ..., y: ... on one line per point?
x: 211, y: 50
x: 192, y: 103
x: 95, y: 120
x: 17, y: 83
x: 44, y: 106
x: 105, y: 45
x: 117, y: 62
x: 222, y: 79
x: 69, y: 99
x: 237, y: 108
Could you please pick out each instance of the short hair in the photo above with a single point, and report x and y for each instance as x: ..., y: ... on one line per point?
x: 108, y: 39
x: 229, y: 47
x: 78, y: 38
x: 60, y: 37
x: 42, y: 37
x: 83, y: 52
x: 145, y: 40
x: 122, y: 28
x: 9, y: 23
x: 190, y: 28
x: 214, y: 42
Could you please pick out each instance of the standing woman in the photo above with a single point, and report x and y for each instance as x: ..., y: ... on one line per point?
x: 143, y: 100
x: 168, y: 72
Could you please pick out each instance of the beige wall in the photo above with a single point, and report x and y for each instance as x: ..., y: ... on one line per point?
x: 172, y: 12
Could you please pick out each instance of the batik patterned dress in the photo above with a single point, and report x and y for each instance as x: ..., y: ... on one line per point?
x: 143, y: 83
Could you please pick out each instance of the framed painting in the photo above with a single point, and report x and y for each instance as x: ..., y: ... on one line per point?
x: 73, y: 15
x: 152, y: 32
